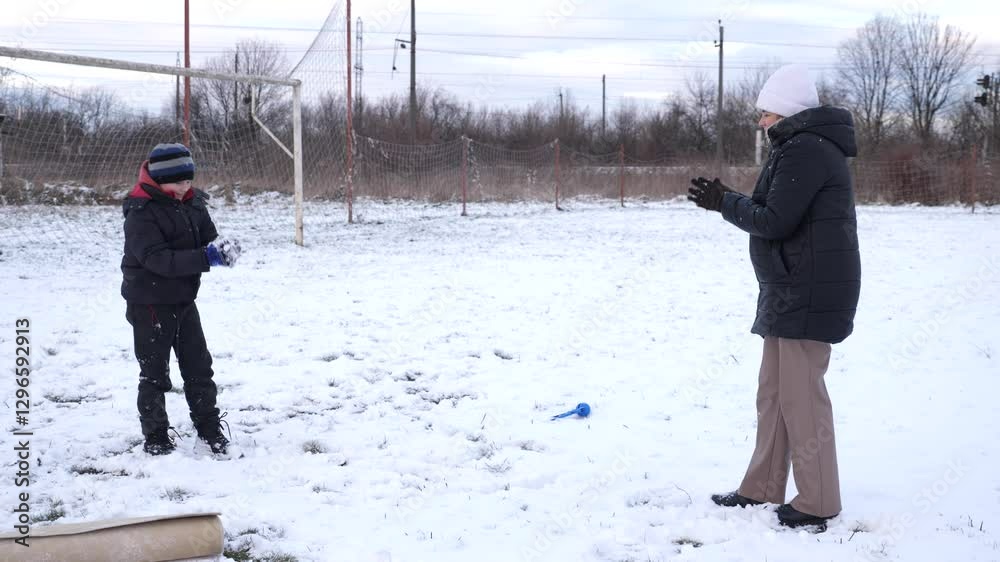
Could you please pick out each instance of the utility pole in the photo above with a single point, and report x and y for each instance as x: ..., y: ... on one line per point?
x: 359, y: 70
x: 560, y: 112
x: 187, y: 79
x: 604, y: 105
x: 177, y: 94
x: 236, y: 87
x: 2, y: 117
x: 718, y: 110
x: 413, y: 71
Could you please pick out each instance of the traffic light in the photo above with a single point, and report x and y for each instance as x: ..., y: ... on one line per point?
x: 984, y: 82
x: 983, y: 100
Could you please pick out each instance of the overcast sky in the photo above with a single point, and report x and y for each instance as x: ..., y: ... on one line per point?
x: 513, y: 52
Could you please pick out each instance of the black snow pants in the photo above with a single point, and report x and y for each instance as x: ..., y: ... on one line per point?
x: 157, y: 329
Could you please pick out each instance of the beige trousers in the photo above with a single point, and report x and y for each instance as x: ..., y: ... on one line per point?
x: 794, y: 425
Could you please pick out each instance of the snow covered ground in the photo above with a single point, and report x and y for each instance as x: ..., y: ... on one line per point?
x: 389, y: 386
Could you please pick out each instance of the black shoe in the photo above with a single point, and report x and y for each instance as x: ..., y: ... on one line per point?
x: 159, y: 443
x: 213, y: 436
x: 733, y: 499
x: 791, y: 517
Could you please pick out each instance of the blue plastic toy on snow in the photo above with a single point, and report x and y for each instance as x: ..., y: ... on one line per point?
x: 582, y: 409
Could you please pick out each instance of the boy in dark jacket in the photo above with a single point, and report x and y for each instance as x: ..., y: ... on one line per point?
x: 168, y: 244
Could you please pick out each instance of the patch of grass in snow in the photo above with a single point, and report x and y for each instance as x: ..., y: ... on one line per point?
x: 177, y: 494
x: 688, y: 540
x: 330, y: 357
x: 441, y: 397
x: 243, y: 552
x: 54, y: 512
x: 487, y: 450
x: 313, y: 447
x: 531, y: 446
x: 499, y: 468
x: 64, y: 399
x: 408, y: 376
x: 129, y: 445
x: 255, y: 408
x: 859, y: 527
x: 93, y: 470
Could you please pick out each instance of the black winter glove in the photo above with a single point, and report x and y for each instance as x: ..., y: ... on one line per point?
x: 707, y: 194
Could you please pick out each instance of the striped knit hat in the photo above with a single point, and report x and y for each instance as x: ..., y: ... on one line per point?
x: 170, y: 163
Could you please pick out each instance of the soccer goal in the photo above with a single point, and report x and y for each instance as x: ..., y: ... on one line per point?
x: 56, y: 137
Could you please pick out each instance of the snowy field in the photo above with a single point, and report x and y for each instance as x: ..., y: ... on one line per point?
x: 389, y: 386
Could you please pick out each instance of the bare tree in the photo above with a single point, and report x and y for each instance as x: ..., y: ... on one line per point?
x: 701, y: 103
x: 226, y: 104
x: 99, y: 109
x: 868, y: 74
x: 933, y: 63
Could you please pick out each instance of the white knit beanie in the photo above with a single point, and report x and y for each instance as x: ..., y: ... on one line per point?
x: 789, y: 90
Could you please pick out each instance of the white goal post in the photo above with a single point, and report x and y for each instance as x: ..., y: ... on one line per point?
x: 296, y: 153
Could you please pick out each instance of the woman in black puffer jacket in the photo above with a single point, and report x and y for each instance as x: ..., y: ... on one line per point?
x: 804, y: 249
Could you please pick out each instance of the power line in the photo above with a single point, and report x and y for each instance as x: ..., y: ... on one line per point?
x: 461, y: 34
x: 518, y: 16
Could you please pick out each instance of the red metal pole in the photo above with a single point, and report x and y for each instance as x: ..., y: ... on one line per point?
x: 465, y: 171
x: 350, y: 125
x: 187, y: 79
x: 558, y: 179
x: 621, y: 174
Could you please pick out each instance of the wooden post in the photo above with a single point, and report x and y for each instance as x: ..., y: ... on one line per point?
x: 350, y: 126
x: 465, y: 172
x: 558, y: 178
x: 187, y: 79
x: 975, y: 194
x: 621, y: 174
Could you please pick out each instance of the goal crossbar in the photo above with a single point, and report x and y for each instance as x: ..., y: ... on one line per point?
x: 295, y: 84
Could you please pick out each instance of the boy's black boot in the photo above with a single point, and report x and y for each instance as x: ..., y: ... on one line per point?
x: 211, y: 433
x: 159, y: 442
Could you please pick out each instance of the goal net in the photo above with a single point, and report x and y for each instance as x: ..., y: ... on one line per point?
x: 259, y: 122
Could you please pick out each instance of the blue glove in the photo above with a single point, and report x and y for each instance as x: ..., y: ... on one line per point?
x: 213, y: 255
x: 223, y: 252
